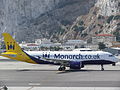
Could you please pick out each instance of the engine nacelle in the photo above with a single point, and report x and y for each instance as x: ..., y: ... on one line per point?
x: 76, y: 65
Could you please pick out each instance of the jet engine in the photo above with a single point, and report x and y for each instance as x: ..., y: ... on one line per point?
x: 76, y: 65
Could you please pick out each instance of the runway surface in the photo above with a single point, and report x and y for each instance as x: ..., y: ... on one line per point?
x: 23, y: 74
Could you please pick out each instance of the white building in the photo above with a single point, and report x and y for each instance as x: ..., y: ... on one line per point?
x: 76, y: 42
x: 68, y: 47
x: 107, y: 39
x: 43, y: 41
x: 92, y: 46
x: 48, y: 45
x: 72, y: 44
x: 29, y: 46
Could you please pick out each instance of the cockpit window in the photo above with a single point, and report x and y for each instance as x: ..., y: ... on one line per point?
x: 110, y: 55
x: 85, y: 50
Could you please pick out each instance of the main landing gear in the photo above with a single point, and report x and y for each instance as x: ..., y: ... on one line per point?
x: 102, y: 68
x: 62, y: 68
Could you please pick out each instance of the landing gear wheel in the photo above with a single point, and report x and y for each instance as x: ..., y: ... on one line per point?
x: 102, y: 68
x: 62, y: 68
x: 113, y: 64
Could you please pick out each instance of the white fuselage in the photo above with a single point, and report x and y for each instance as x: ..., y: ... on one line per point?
x: 73, y: 55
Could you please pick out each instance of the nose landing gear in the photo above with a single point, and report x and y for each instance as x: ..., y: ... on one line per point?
x: 102, y: 68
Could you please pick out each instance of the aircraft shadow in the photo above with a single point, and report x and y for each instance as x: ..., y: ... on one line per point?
x: 24, y: 70
x: 70, y: 71
x: 84, y: 70
x: 67, y: 71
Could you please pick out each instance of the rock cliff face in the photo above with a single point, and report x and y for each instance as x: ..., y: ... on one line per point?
x: 108, y: 7
x: 14, y: 13
x: 104, y: 18
x: 57, y: 19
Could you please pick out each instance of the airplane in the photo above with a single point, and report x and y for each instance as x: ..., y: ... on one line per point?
x: 73, y: 59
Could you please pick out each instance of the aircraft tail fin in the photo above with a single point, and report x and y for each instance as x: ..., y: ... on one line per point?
x: 14, y: 51
x: 10, y: 43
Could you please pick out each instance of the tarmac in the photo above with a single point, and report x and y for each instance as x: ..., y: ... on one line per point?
x: 24, y: 76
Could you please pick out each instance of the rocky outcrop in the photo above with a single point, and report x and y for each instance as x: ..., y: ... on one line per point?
x: 57, y: 19
x: 108, y: 7
x: 14, y: 13
x: 104, y: 17
x: 31, y: 19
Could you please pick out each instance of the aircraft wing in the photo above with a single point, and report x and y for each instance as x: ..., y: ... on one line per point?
x: 57, y: 61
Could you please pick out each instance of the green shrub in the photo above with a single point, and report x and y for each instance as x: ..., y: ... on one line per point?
x: 84, y: 35
x: 61, y: 30
x: 118, y: 29
x: 110, y: 18
x: 77, y: 29
x: 117, y: 34
x: 96, y: 32
x: 101, y: 46
x: 118, y: 24
x: 101, y: 17
x: 81, y: 22
x: 117, y: 17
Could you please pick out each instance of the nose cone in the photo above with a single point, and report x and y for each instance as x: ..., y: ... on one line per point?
x: 116, y: 58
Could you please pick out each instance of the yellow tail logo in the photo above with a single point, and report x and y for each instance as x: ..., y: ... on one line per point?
x: 11, y: 45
